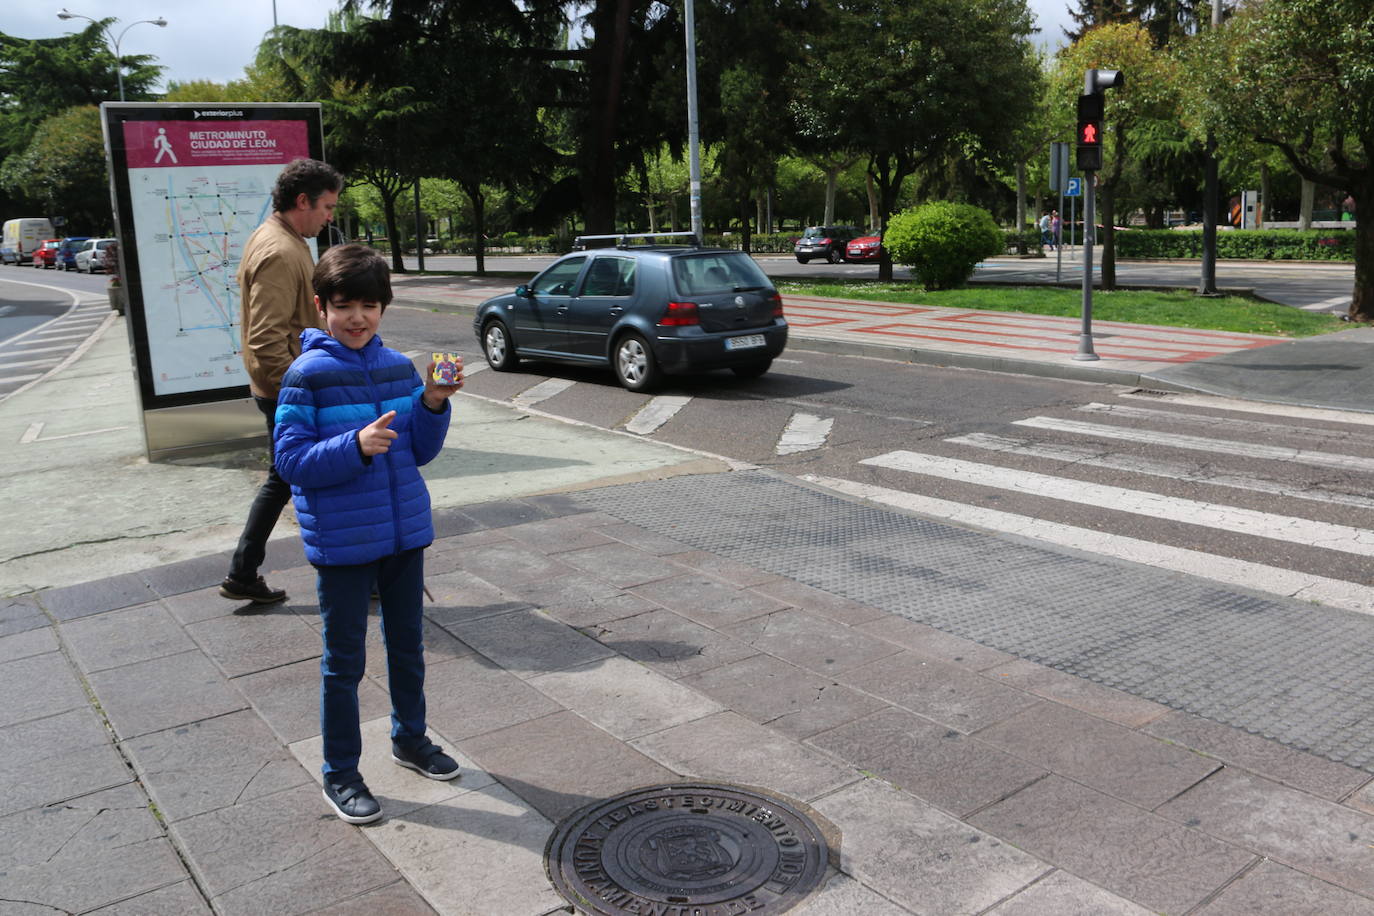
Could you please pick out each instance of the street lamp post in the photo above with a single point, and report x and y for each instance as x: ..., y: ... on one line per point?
x: 119, y: 63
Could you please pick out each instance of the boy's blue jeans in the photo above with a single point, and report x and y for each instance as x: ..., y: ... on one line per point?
x: 345, y: 593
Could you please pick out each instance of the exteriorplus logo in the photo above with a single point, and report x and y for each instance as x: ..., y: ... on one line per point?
x: 219, y: 113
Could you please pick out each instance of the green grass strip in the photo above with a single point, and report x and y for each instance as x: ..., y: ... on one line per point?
x: 1170, y: 308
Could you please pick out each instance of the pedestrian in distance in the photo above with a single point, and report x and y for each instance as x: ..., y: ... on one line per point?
x: 275, y: 304
x: 1046, y: 239
x: 1056, y: 228
x: 354, y: 425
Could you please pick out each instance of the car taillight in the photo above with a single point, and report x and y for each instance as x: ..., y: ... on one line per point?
x: 680, y: 314
x: 823, y: 241
x: 777, y: 305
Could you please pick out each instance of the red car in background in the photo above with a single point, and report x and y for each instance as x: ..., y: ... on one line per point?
x: 46, y: 255
x: 864, y: 248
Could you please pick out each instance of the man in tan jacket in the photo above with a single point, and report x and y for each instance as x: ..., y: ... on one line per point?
x: 276, y: 304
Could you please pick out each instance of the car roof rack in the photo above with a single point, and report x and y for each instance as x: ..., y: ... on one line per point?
x: 621, y: 239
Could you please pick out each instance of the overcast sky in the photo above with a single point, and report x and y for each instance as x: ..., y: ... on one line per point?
x: 216, y: 39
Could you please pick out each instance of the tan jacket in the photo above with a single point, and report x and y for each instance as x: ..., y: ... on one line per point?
x: 277, y: 302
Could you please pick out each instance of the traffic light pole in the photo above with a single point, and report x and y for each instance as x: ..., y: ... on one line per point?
x: 1085, y: 338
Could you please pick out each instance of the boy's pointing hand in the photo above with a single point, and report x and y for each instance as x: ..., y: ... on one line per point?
x: 375, y: 438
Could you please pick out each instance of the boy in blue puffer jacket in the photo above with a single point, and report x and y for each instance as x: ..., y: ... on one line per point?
x: 353, y: 425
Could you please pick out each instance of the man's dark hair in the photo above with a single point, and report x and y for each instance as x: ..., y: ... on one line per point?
x: 352, y: 272
x: 310, y: 177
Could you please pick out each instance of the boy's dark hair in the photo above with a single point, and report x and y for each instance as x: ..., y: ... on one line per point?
x: 310, y: 177
x: 352, y: 272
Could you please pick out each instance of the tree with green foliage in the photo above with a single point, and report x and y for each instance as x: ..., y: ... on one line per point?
x: 1298, y: 75
x: 1148, y: 97
x: 63, y: 171
x: 935, y: 78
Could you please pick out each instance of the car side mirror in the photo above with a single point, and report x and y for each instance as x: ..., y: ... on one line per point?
x: 524, y: 292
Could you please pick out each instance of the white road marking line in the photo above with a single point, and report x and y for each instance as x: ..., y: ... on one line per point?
x: 18, y: 378
x: 1218, y: 423
x: 1333, y: 302
x: 655, y: 413
x: 805, y: 432
x: 542, y: 392
x: 1344, y: 538
x: 1203, y: 444
x: 61, y: 334
x: 1189, y: 471
x: 35, y: 430
x: 24, y: 349
x: 4, y: 366
x: 1272, y: 410
x: 1302, y: 586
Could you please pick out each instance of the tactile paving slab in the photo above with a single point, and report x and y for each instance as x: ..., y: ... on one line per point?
x: 1273, y: 667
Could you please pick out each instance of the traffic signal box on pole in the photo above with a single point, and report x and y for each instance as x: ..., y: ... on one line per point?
x: 1090, y: 132
x: 1090, y: 108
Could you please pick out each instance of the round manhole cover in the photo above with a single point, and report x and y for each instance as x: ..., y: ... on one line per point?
x: 687, y: 850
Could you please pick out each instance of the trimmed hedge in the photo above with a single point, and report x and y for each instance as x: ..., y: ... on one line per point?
x: 942, y: 242
x: 1247, y: 244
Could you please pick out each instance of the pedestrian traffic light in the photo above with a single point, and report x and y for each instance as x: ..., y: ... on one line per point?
x: 1090, y: 108
x: 1090, y: 132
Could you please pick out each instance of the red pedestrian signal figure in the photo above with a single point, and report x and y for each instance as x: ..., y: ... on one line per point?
x: 1089, y: 133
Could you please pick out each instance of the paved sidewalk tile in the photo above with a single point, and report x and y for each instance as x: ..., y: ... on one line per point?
x: 477, y: 854
x: 107, y: 838
x: 470, y: 696
x: 28, y: 643
x: 811, y: 642
x: 1085, y: 696
x: 669, y: 643
x: 38, y: 685
x: 841, y: 895
x: 560, y: 762
x: 213, y: 763
x: 708, y: 601
x: 934, y: 763
x: 461, y: 596
x: 1272, y: 888
x: 1319, y: 837
x: 558, y: 535
x: 288, y: 699
x: 624, y: 698
x: 821, y: 602
x: 153, y: 695
x: 282, y: 853
x: 96, y: 597
x: 122, y: 637
x: 621, y: 566
x: 790, y: 700
x: 1156, y: 862
x: 395, y: 899
x: 1117, y: 761
x: 244, y: 643
x: 180, y: 899
x: 527, y: 643
x: 908, y: 850
x: 18, y: 615
x: 726, y: 747
x: 1270, y: 759
x: 945, y: 693
x: 926, y: 640
x: 1061, y: 894
x: 51, y: 759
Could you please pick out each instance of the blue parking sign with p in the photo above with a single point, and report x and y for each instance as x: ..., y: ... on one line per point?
x: 1074, y: 188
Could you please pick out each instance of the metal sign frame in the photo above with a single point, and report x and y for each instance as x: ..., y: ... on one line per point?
x: 162, y: 157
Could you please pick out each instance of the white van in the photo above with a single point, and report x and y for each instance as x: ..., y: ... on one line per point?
x: 21, y: 237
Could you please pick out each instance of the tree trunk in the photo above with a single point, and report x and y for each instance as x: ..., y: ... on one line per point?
x: 393, y: 229
x: 606, y: 73
x: 875, y: 220
x: 1020, y: 207
x: 1107, y: 213
x: 479, y: 222
x: 1309, y: 191
x: 1264, y: 195
x: 1362, y: 300
x: 831, y: 175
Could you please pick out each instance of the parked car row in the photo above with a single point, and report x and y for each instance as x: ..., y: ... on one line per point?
x: 837, y: 243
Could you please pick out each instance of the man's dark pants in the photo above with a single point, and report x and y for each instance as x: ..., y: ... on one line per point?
x: 272, y: 497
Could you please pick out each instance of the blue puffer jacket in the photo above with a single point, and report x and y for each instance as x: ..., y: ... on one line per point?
x: 354, y: 509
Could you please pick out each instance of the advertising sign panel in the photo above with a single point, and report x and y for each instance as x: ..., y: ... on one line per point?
x: 190, y: 184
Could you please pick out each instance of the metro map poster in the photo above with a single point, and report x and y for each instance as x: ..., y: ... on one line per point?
x: 191, y: 184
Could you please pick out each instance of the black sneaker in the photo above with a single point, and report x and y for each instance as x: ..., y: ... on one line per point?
x: 352, y: 802
x: 427, y: 759
x: 258, y: 591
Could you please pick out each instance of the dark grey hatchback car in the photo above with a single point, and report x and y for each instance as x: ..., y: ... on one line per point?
x: 644, y: 310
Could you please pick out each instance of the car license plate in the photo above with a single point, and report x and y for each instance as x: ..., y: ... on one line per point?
x: 744, y: 343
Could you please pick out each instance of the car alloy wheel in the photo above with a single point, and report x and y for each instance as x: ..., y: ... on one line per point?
x: 496, y: 347
x: 634, y: 363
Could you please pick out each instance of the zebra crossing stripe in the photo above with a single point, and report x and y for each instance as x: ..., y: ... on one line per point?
x: 1343, y: 538
x: 1225, y: 570
x: 804, y: 433
x: 1203, y: 444
x: 1189, y: 471
x: 542, y: 392
x: 655, y: 413
x: 1209, y: 422
x: 1215, y: 402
